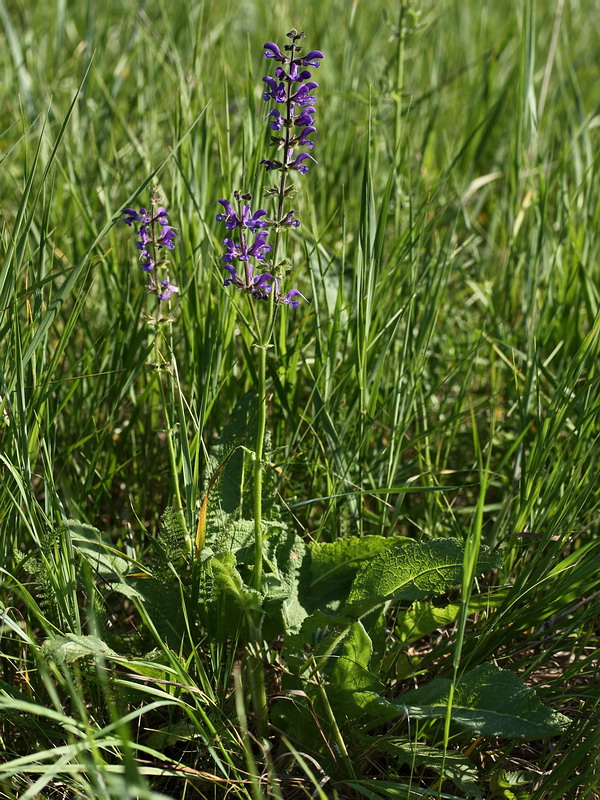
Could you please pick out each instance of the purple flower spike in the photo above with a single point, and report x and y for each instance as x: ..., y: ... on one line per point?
x: 272, y: 51
x: 245, y: 255
x: 153, y: 236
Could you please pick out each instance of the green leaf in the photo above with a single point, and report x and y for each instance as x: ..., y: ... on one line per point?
x: 450, y: 765
x: 285, y: 553
x: 70, y: 648
x: 229, y: 581
x: 316, y: 635
x: 106, y: 561
x: 350, y: 667
x: 488, y: 701
x: 163, y: 607
x: 333, y: 566
x: 411, y: 572
x: 508, y: 785
x: 423, y: 618
x: 228, y: 456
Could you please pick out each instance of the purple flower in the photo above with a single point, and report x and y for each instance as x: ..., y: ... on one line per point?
x: 277, y: 92
x: 130, y: 215
x: 167, y: 290
x: 247, y: 218
x: 297, y: 163
x: 252, y: 221
x: 287, y: 300
x: 167, y: 237
x: 143, y: 237
x: 272, y: 51
x: 277, y: 120
x: 271, y: 165
x: 241, y: 251
x: 302, y: 139
x: 309, y: 59
x: 303, y: 96
x: 162, y: 216
x: 289, y: 220
x: 257, y: 285
x: 262, y: 282
x: 294, y: 75
x: 260, y: 248
x: 233, y: 276
x: 232, y: 251
x: 229, y: 217
x: 306, y: 117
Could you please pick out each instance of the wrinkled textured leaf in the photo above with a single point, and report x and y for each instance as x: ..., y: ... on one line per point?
x: 333, y: 566
x: 106, y: 561
x: 229, y: 533
x: 285, y: 552
x: 227, y: 456
x: 70, y: 648
x: 316, y: 634
x: 489, y: 701
x: 229, y: 581
x: 412, y: 571
x: 163, y: 608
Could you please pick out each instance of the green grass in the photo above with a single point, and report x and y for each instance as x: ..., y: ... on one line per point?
x: 449, y: 248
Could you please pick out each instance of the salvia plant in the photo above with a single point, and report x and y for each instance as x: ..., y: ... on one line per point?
x: 252, y: 263
x: 246, y: 578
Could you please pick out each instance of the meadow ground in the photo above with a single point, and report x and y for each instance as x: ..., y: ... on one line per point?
x: 432, y: 410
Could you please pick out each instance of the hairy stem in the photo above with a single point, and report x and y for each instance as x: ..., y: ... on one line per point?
x: 160, y: 361
x: 258, y: 466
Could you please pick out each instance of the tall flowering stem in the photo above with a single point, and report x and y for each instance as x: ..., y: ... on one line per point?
x: 155, y: 239
x: 253, y: 258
